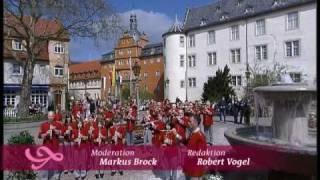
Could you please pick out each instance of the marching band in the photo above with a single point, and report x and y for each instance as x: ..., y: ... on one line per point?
x: 164, y: 124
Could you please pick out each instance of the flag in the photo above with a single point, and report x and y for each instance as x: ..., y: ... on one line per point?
x: 130, y: 64
x: 114, y: 75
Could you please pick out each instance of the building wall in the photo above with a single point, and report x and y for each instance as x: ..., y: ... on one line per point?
x: 276, y: 35
x: 153, y: 82
x: 173, y: 71
x: 58, y: 85
x: 40, y: 76
x: 78, y: 88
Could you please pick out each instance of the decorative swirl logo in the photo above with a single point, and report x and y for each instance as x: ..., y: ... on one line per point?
x: 43, y: 156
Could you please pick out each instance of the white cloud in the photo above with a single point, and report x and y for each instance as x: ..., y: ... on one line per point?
x: 154, y: 24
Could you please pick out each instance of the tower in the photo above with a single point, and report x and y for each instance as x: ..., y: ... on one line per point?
x: 175, y: 62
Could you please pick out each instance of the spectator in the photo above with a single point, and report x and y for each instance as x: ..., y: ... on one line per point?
x: 222, y: 109
x: 247, y: 114
x: 235, y: 110
x: 241, y: 109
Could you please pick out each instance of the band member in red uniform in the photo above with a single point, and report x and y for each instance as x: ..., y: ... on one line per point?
x: 195, y: 141
x: 99, y: 138
x: 130, y: 119
x: 80, y: 138
x: 49, y: 132
x: 108, y: 116
x: 168, y: 138
x: 157, y: 126
x: 208, y: 122
x: 179, y: 127
x: 67, y: 137
x: 117, y: 134
x: 58, y: 115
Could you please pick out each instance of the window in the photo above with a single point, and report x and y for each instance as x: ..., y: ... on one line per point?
x: 260, y: 27
x: 192, y: 41
x: 261, y: 52
x: 292, y: 21
x: 236, y: 80
x: 235, y: 33
x: 58, y: 71
x: 145, y: 75
x: 58, y: 48
x: 292, y: 48
x: 157, y: 73
x: 296, y: 77
x: 39, y: 97
x: 212, y: 58
x: 235, y: 55
x: 211, y: 37
x: 158, y: 60
x: 192, y: 82
x: 192, y: 61
x: 181, y: 60
x: 181, y: 41
x: 182, y: 84
x: 17, y: 45
x: 16, y: 69
x: 9, y: 99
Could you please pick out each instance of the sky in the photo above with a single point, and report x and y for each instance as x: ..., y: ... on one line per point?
x: 154, y: 18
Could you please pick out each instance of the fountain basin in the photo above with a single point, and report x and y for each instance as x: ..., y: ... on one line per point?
x: 301, y: 159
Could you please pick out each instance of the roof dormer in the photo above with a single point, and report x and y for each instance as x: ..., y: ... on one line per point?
x: 203, y: 21
x: 248, y: 9
x: 224, y: 16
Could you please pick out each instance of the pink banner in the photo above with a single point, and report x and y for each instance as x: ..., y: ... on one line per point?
x: 91, y: 157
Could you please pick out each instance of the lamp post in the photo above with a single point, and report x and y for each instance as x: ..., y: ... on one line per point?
x: 167, y: 86
x: 136, y: 71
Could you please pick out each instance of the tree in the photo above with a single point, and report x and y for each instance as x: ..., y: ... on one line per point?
x: 264, y: 76
x: 145, y: 95
x: 38, y: 21
x: 125, y: 92
x: 219, y: 86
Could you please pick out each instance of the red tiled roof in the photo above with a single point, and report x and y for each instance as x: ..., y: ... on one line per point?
x: 91, y: 66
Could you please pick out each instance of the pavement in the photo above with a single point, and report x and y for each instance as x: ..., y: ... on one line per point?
x: 218, y: 137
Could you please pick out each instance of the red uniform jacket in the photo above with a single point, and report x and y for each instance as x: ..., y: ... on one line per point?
x: 57, y: 117
x: 196, y: 140
x: 157, y: 139
x: 118, y: 140
x: 54, y: 139
x: 131, y: 121
x: 83, y: 132
x: 67, y: 136
x: 207, y: 117
x: 181, y: 132
x: 103, y: 132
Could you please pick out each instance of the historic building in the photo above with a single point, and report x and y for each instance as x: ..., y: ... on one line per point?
x: 133, y: 48
x: 49, y: 74
x: 247, y: 35
x: 85, y: 80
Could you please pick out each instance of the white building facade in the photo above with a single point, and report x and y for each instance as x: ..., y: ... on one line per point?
x: 244, y: 35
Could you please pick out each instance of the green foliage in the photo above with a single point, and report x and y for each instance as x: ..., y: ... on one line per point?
x: 24, y: 138
x: 267, y: 76
x: 31, y: 118
x: 219, y: 86
x: 125, y: 93
x: 145, y: 95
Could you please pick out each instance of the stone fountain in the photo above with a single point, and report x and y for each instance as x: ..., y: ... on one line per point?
x: 292, y: 129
